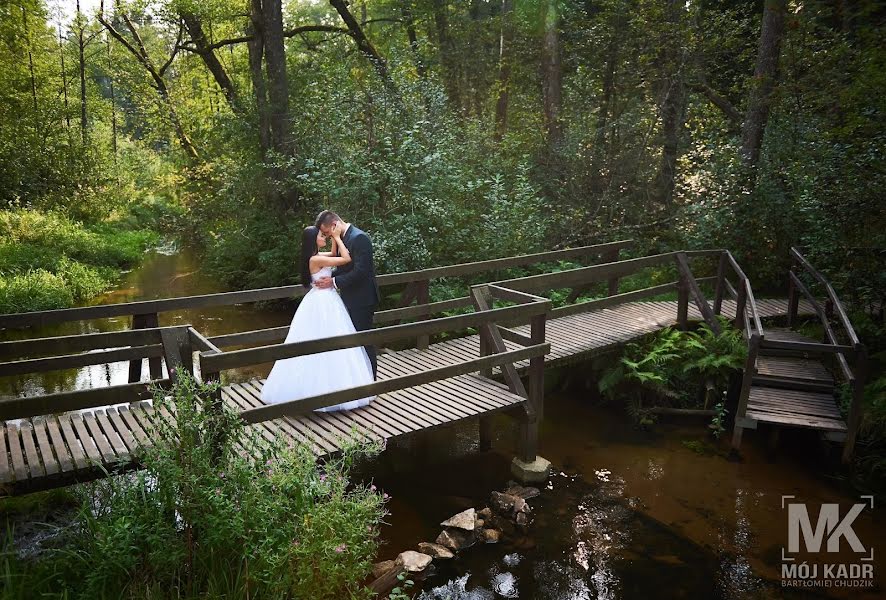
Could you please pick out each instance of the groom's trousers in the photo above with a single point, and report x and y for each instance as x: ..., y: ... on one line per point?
x: 362, y: 318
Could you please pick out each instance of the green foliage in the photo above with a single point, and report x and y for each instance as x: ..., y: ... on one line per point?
x: 671, y: 366
x: 203, y: 520
x: 49, y: 261
x: 717, y: 424
x: 401, y: 591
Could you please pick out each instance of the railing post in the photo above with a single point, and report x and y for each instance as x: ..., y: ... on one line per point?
x: 683, y: 302
x: 793, y: 302
x: 177, y: 351
x: 857, y: 406
x: 422, y: 297
x: 537, y: 367
x: 612, y: 256
x: 485, y: 427
x: 750, y: 369
x: 741, y: 303
x: 145, y: 321
x: 721, y: 284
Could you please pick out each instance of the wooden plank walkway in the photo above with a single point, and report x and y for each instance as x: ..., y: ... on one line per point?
x: 82, y: 445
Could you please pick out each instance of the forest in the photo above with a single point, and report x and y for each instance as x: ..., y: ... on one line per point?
x: 452, y: 131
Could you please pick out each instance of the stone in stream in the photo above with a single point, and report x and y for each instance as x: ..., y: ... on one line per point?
x: 522, y: 491
x: 414, y: 562
x: 455, y: 539
x: 435, y: 550
x: 491, y: 536
x: 464, y: 520
x: 485, y: 514
x: 380, y: 568
x: 503, y: 503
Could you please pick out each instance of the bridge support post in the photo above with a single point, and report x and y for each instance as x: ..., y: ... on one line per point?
x: 485, y: 433
x: 529, y: 467
x: 146, y: 321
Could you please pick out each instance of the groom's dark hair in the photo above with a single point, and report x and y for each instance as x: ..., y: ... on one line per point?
x: 327, y: 217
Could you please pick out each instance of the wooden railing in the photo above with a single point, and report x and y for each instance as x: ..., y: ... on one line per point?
x: 175, y: 344
x: 850, y: 351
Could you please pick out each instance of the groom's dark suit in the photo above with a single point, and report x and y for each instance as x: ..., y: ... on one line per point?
x: 356, y: 282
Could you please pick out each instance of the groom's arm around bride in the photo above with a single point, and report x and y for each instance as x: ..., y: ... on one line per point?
x: 356, y: 280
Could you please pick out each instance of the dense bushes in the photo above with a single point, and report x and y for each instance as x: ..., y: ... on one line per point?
x: 210, y: 520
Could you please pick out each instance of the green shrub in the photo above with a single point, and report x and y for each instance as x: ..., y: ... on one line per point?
x: 35, y: 290
x: 202, y: 520
x: 671, y: 366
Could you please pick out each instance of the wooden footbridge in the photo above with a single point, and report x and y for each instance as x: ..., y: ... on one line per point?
x: 488, y: 357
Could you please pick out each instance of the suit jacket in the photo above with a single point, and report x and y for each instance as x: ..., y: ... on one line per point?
x: 356, y: 280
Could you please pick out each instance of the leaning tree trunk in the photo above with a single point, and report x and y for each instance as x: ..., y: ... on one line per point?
x: 552, y: 77
x: 366, y: 47
x: 505, y: 58
x: 765, y: 78
x: 194, y: 25
x: 406, y: 11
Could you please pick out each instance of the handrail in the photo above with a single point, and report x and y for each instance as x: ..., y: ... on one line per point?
x: 39, y: 318
x: 832, y: 295
x: 744, y: 288
x: 212, y: 362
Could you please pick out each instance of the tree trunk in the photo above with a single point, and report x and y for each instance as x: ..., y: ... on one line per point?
x: 365, y: 46
x: 256, y: 48
x: 81, y: 62
x: 672, y: 95
x: 447, y: 53
x: 765, y: 77
x: 505, y: 57
x: 413, y: 40
x: 113, y: 102
x: 598, y: 152
x: 552, y: 82
x: 194, y: 25
x: 278, y: 81
x: 61, y: 51
x: 30, y: 58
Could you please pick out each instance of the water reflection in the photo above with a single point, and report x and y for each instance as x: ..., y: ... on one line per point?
x: 166, y: 272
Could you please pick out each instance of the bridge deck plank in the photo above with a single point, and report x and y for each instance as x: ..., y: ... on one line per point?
x: 78, y: 442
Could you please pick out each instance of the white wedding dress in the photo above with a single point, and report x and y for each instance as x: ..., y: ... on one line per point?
x: 321, y: 314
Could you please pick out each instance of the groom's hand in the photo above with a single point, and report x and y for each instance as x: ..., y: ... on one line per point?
x: 324, y: 283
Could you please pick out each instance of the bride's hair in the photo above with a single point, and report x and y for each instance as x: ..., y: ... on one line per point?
x: 308, y: 249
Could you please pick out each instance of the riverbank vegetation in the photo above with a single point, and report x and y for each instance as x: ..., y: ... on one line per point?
x: 216, y: 512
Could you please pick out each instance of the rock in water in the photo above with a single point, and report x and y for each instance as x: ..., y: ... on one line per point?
x: 503, y: 503
x: 455, y: 539
x: 435, y: 550
x: 491, y: 536
x: 485, y: 514
x: 414, y: 562
x: 523, y: 492
x: 463, y: 520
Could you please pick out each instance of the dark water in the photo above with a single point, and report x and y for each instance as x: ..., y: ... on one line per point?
x: 628, y: 514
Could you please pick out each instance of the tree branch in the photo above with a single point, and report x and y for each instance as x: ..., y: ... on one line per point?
x: 175, y: 49
x: 190, y: 47
x: 731, y: 113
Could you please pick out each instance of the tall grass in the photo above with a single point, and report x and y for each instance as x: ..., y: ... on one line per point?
x: 217, y: 512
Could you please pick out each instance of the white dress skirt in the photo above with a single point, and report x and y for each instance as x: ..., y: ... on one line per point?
x: 321, y: 314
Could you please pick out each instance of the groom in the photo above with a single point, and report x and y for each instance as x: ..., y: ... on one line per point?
x: 355, y: 280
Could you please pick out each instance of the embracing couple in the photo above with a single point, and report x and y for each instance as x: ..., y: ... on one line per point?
x: 341, y: 299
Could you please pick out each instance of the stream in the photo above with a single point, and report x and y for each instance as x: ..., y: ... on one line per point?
x: 627, y: 513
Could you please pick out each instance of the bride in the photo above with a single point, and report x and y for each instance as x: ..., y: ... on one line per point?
x: 320, y: 314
